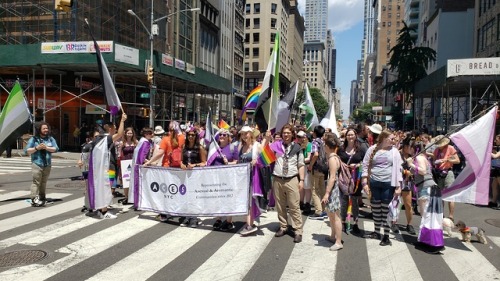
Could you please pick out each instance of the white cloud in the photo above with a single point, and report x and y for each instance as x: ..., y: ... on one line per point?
x: 342, y: 14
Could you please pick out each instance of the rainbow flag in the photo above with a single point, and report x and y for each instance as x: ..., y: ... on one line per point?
x: 223, y: 124
x: 251, y: 101
x: 267, y: 155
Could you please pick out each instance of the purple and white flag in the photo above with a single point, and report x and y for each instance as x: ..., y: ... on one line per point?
x: 213, y: 151
x: 472, y: 184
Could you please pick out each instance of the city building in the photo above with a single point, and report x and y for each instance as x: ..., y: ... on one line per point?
x: 316, y: 20
x: 315, y: 66
x: 49, y: 52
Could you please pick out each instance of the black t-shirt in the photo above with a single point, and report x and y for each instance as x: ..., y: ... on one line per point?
x: 356, y: 158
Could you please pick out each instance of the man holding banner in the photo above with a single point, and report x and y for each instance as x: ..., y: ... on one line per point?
x: 288, y: 179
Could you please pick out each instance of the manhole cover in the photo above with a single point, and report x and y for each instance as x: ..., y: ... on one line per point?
x: 494, y: 222
x: 22, y: 257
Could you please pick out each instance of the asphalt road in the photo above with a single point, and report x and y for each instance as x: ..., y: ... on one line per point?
x: 136, y: 247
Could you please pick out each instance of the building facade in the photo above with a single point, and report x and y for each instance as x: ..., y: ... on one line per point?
x: 316, y: 20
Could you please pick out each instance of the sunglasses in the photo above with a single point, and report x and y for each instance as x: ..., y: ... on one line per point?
x: 223, y: 135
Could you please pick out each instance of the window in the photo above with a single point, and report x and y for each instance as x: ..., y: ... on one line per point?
x: 247, y: 66
x: 256, y: 8
x: 273, y: 8
x: 247, y: 8
x: 256, y: 37
x: 389, y: 24
x: 273, y: 23
x: 255, y: 66
x: 383, y: 24
x: 255, y: 52
x: 247, y: 52
x: 389, y: 15
x: 247, y: 38
x: 247, y: 23
x: 256, y: 23
x: 273, y: 36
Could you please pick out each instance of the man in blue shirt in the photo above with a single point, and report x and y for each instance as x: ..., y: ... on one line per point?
x: 40, y: 146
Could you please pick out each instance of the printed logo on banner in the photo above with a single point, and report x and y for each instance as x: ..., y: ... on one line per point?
x: 167, y: 190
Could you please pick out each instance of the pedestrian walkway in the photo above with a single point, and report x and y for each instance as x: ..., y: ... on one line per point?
x: 19, y: 164
x: 137, y: 247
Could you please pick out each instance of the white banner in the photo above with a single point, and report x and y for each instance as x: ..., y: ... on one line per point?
x: 207, y: 191
x: 75, y: 47
x: 126, y: 170
x: 476, y: 66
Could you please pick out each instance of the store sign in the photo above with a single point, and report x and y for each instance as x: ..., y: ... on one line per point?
x: 167, y: 59
x: 75, y: 47
x: 179, y: 64
x: 39, y: 83
x: 126, y: 54
x: 477, y: 66
x: 95, y: 109
x: 190, y: 68
x: 49, y: 104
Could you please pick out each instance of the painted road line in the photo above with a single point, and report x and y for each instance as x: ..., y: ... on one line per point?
x: 81, y: 250
x: 22, y: 204
x: 14, y: 194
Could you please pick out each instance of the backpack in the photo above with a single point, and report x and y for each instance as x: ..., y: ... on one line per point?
x: 344, y: 178
x: 175, y: 157
x: 321, y: 163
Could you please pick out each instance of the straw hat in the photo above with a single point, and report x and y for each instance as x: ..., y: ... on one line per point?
x: 441, y: 141
x: 159, y: 130
x: 375, y: 128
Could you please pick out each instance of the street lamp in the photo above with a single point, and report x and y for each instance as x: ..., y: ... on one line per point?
x: 151, y: 32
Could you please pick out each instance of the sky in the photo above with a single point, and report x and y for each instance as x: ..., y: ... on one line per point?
x: 345, y: 19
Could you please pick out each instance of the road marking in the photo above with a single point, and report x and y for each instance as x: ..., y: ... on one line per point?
x: 83, y: 249
x: 13, y: 195
x: 467, y: 262
x: 312, y: 250
x: 236, y: 257
x: 157, y: 254
x: 23, y: 204
x: 39, y: 214
x: 389, y: 262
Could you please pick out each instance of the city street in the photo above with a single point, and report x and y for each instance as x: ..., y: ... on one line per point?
x: 58, y: 242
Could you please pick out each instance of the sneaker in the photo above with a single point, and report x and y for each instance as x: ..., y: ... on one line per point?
x: 107, y: 216
x: 336, y: 247
x: 226, y: 226
x: 385, y: 241
x: 248, y: 230
x: 162, y: 217
x: 372, y: 235
x: 395, y: 228
x: 193, y: 222
x: 217, y: 224
x: 410, y: 229
x: 325, y: 215
x: 492, y: 205
x: 355, y: 229
x: 36, y: 202
x: 183, y: 221
x: 316, y: 217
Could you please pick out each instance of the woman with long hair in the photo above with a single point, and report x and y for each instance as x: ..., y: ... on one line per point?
x: 331, y: 199
x: 142, y: 152
x: 127, y: 147
x: 352, y: 153
x: 382, y: 176
x: 193, y: 156
x: 305, y: 193
x: 430, y: 236
x: 408, y: 182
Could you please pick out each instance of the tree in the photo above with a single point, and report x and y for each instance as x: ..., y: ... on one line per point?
x: 365, y: 112
x: 409, y: 62
x: 320, y: 104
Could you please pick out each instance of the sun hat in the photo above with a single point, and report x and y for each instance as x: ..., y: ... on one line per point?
x: 245, y: 129
x: 159, y: 130
x: 375, y: 128
x: 441, y: 141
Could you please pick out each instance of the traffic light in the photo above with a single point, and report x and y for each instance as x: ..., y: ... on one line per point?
x: 63, y: 5
x: 150, y: 75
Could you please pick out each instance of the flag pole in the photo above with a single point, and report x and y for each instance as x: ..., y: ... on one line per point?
x: 465, y: 124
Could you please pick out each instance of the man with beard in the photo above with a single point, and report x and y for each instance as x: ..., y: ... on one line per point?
x: 40, y: 146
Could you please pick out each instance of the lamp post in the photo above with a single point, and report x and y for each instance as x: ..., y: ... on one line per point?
x: 153, y: 30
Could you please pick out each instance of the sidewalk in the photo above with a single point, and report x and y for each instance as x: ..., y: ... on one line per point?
x: 61, y: 154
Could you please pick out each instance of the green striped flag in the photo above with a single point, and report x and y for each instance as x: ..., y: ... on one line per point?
x: 15, y: 118
x: 308, y: 106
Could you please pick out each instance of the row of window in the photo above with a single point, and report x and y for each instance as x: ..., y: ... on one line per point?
x: 389, y: 24
x: 485, y: 5
x: 256, y: 23
x: 256, y: 8
x: 256, y: 37
x: 488, y: 33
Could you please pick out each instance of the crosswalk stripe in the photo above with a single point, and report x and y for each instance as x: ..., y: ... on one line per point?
x: 49, y: 232
x: 14, y: 194
x: 389, y: 262
x: 174, y: 243
x: 83, y: 249
x: 313, y: 250
x: 494, y: 239
x: 237, y: 255
x: 467, y: 262
x: 22, y: 204
x: 40, y: 213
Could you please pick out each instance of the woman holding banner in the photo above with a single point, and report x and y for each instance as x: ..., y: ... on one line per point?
x: 127, y: 147
x: 193, y: 156
x: 227, y: 154
x: 142, y: 152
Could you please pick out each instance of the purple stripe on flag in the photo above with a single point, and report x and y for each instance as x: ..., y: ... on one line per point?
x: 433, y: 237
x: 464, y: 184
x: 114, y: 109
x: 90, y: 184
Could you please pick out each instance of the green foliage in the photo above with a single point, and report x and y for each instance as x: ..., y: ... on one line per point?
x: 365, y: 112
x: 409, y: 62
